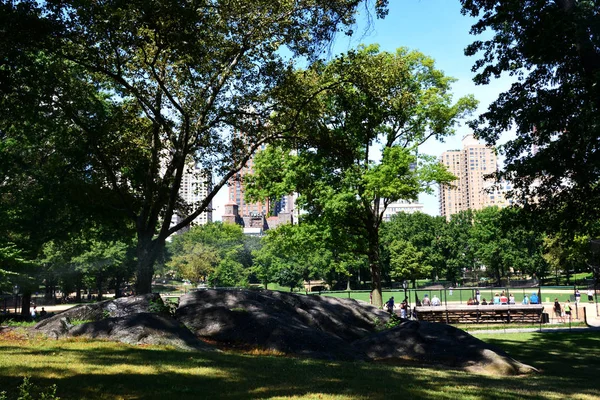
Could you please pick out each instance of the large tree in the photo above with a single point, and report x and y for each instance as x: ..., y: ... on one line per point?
x: 150, y: 88
x: 551, y: 48
x: 366, y: 98
x: 422, y: 231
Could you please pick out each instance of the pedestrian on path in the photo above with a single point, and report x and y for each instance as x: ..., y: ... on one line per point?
x: 590, y: 294
x: 577, y: 296
x: 558, y: 311
x: 567, y: 309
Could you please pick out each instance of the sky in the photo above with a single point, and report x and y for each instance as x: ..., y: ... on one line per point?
x: 437, y: 29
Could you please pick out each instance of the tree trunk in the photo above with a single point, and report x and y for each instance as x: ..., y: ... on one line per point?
x: 147, y: 253
x: 118, y: 281
x: 25, y: 303
x: 99, y: 286
x: 375, y: 266
x: 78, y: 293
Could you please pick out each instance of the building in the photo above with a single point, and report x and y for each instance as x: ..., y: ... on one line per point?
x: 255, y: 217
x: 196, y: 184
x: 471, y: 190
x: 399, y: 206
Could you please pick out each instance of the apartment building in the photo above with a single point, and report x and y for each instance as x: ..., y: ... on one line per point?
x: 471, y: 190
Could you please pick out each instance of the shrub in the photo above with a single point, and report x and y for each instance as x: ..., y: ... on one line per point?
x: 29, y: 391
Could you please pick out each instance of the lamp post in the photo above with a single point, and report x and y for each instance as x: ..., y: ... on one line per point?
x: 16, y: 293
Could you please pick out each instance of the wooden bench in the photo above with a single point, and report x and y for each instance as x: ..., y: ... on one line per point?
x: 463, y: 314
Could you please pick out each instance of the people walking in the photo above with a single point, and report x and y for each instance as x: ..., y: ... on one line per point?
x: 389, y: 305
x: 558, y: 311
x: 567, y: 309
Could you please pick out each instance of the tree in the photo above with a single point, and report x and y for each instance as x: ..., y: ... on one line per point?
x: 502, y: 246
x: 423, y: 232
x: 173, y: 84
x: 214, y: 252
x: 551, y: 49
x: 407, y: 262
x: 457, y: 246
x: 292, y: 253
x: 365, y: 97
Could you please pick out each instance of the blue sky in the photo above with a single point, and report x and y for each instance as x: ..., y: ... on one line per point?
x: 437, y: 29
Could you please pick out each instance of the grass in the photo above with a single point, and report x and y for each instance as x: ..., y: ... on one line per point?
x: 569, y: 364
x: 22, y: 324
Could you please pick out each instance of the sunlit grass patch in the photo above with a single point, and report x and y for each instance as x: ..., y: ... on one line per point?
x: 91, y: 369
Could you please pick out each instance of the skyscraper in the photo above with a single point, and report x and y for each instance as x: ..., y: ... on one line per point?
x: 471, y: 190
x: 196, y: 183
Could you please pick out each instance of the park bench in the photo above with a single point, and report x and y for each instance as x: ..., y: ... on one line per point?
x: 463, y: 314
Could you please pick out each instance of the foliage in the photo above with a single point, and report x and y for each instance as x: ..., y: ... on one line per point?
x: 167, y: 86
x: 504, y: 246
x: 393, y: 322
x: 216, y: 253
x: 550, y: 49
x: 566, y: 255
x: 363, y: 98
x: 29, y: 391
x: 19, y: 324
x: 424, y: 233
x: 160, y: 307
x: 406, y: 262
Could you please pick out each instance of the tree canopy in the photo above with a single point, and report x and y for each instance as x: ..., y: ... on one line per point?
x: 551, y: 49
x: 134, y: 92
x: 364, y: 98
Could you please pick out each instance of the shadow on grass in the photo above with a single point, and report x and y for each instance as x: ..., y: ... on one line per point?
x: 101, y: 370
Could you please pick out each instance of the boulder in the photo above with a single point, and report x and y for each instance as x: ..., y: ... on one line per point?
x: 121, y: 307
x: 315, y: 326
x: 141, y: 328
x: 441, y: 344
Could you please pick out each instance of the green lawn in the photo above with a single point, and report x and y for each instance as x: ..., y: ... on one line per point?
x: 569, y: 364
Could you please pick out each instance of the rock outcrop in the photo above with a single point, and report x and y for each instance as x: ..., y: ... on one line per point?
x: 311, y: 326
x: 435, y: 343
x: 314, y: 326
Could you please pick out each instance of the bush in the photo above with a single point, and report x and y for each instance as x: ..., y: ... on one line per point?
x: 160, y: 307
x: 29, y: 391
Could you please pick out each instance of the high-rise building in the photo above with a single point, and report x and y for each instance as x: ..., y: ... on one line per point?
x: 257, y: 216
x: 196, y: 183
x: 471, y: 190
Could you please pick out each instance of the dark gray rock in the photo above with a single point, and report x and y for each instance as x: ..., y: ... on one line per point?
x: 141, y: 328
x: 124, y: 306
x: 436, y: 343
x: 314, y: 326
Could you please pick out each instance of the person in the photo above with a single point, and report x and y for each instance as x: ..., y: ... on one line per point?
x: 534, y: 298
x: 34, y: 312
x: 389, y: 305
x: 503, y: 299
x: 483, y: 302
x: 450, y: 291
x: 590, y: 294
x: 558, y: 310
x: 496, y: 299
x: 477, y: 295
x: 470, y: 302
x: 43, y: 313
x: 426, y: 301
x: 435, y: 301
x: 567, y: 309
x: 577, y: 296
x: 403, y: 308
x: 525, y: 300
x: 371, y: 298
x: 511, y: 299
